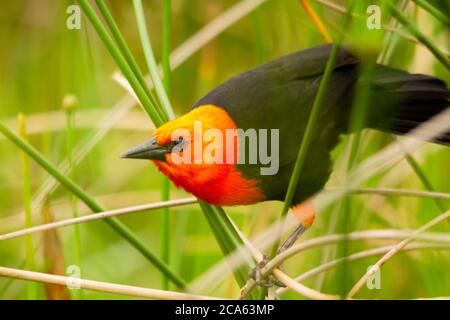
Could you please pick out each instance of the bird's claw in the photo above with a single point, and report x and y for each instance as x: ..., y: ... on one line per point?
x: 267, y: 281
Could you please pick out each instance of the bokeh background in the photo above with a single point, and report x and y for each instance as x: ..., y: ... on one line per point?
x: 41, y: 62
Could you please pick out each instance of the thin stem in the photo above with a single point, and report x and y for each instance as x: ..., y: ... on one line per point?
x: 227, y: 237
x: 314, y: 115
x: 420, y: 174
x: 412, y: 28
x: 316, y: 20
x: 127, y: 53
x: 358, y: 256
x: 166, y: 34
x: 100, y: 286
x: 122, y: 63
x: 394, y: 192
x: 26, y: 176
x: 310, y: 126
x: 165, y: 228
x: 395, y: 250
x: 150, y: 58
x: 405, y: 36
x: 280, y: 276
x: 98, y: 216
x: 69, y: 105
x: 434, y: 11
x: 165, y: 189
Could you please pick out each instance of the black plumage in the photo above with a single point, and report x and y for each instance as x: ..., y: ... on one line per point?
x: 280, y: 94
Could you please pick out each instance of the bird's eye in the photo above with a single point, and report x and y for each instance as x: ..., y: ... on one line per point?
x: 178, y: 140
x: 178, y: 144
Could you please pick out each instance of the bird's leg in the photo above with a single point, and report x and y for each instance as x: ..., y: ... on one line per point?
x: 305, y: 212
x: 289, y: 242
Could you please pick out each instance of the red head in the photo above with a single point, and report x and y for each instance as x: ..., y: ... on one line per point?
x: 198, y: 151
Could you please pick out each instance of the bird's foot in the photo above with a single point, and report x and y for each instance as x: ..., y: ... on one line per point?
x: 305, y: 212
x: 266, y: 281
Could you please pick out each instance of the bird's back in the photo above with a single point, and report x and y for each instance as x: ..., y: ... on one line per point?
x: 280, y: 95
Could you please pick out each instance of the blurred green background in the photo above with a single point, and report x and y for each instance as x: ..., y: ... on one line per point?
x: 41, y: 62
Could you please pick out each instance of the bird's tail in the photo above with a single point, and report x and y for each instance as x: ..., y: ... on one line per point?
x: 401, y: 101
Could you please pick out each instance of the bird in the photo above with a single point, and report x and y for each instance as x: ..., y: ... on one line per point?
x: 279, y: 95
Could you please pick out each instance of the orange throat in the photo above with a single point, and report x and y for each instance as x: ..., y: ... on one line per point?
x: 228, y: 187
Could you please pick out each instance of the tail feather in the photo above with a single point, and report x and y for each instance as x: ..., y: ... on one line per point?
x: 406, y: 101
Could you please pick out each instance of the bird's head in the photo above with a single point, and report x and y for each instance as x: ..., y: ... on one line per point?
x: 198, y: 151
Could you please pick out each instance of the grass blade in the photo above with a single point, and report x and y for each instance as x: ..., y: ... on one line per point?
x: 150, y: 58
x: 412, y: 28
x: 126, y: 52
x: 227, y: 237
x: 69, y: 104
x: 165, y: 190
x: 434, y: 11
x: 29, y: 246
x: 122, y: 63
x: 422, y: 177
x: 310, y: 126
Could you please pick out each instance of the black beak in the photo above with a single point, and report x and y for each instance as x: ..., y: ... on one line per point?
x: 148, y: 150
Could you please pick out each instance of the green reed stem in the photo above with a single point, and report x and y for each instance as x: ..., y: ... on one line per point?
x: 150, y: 58
x: 149, y: 107
x: 412, y: 28
x: 166, y: 34
x: 227, y: 238
x: 165, y: 228
x: 69, y: 105
x: 165, y: 190
x: 445, y: 19
x: 310, y: 127
x: 313, y: 117
x: 26, y: 177
x: 115, y: 31
x: 91, y: 203
x: 423, y: 178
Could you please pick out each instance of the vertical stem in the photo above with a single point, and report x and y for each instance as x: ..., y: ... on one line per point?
x: 115, y: 31
x: 150, y: 58
x: 165, y: 190
x: 357, y: 123
x: 147, y: 104
x: 258, y: 36
x: 69, y: 105
x: 311, y: 123
x: 30, y: 260
x: 165, y: 229
x: 167, y: 32
x: 422, y: 177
